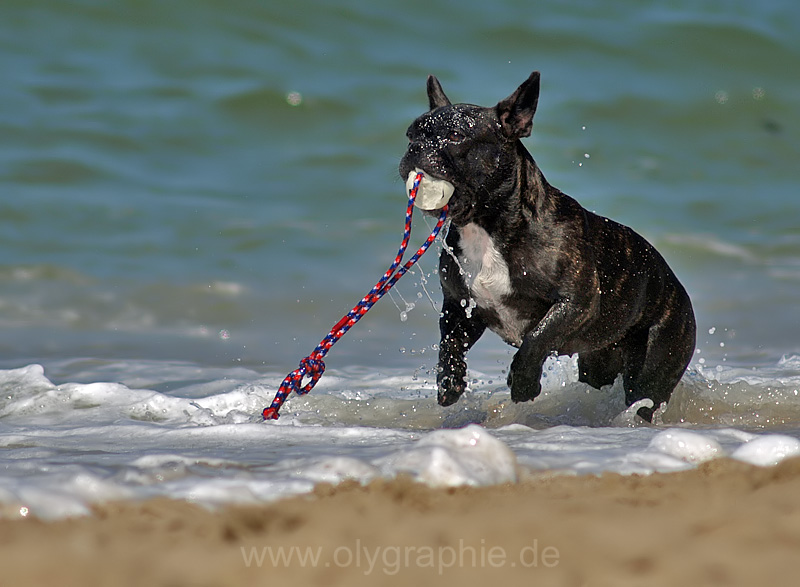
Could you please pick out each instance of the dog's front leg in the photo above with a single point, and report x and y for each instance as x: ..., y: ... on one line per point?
x: 458, y: 333
x: 557, y: 326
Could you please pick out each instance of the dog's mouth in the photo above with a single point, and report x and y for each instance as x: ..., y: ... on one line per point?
x: 432, y: 193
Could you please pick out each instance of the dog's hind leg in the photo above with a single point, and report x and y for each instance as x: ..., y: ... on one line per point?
x: 655, y: 360
x: 600, y: 367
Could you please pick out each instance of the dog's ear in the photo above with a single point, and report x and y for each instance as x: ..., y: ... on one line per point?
x: 436, y: 96
x: 515, y: 113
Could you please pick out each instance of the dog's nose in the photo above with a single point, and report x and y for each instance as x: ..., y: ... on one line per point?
x: 414, y: 146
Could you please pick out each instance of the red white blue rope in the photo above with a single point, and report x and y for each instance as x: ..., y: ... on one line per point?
x: 313, y: 365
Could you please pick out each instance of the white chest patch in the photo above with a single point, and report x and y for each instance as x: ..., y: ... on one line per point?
x: 487, y: 272
x: 487, y: 278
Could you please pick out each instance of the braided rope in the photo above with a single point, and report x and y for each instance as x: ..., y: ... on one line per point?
x: 313, y: 365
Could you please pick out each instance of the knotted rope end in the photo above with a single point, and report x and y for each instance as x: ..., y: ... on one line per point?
x: 270, y: 413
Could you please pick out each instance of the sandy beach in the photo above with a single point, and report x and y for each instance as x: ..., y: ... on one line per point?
x: 724, y: 523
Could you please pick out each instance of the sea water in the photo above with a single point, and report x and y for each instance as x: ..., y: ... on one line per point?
x: 192, y: 194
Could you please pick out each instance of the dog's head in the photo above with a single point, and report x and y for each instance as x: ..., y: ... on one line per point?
x: 470, y: 146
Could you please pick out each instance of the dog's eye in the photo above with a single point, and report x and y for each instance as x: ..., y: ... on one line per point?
x: 455, y: 136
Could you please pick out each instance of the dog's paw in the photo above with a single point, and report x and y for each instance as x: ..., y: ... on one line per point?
x: 524, y: 386
x: 450, y: 387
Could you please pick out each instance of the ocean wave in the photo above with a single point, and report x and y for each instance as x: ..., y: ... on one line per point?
x: 69, y: 445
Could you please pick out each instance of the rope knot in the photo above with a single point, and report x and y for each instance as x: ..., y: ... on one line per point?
x: 312, y: 367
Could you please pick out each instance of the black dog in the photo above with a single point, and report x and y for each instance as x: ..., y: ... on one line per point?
x: 530, y: 263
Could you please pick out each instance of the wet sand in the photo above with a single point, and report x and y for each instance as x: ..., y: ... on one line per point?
x: 724, y: 523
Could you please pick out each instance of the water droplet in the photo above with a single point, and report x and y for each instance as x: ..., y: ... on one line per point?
x: 469, y: 308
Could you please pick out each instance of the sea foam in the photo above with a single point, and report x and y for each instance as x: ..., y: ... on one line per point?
x: 69, y: 445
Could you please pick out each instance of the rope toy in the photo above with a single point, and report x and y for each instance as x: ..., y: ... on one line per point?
x: 313, y: 365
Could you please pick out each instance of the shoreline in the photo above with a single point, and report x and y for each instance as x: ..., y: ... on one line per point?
x: 724, y: 522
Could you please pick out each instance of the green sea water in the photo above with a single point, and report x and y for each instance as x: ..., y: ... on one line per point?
x: 217, y: 182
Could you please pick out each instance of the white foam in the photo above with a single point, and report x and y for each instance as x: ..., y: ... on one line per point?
x: 629, y: 417
x: 447, y: 458
x: 691, y: 447
x: 68, y: 446
x: 768, y: 450
x: 337, y: 469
